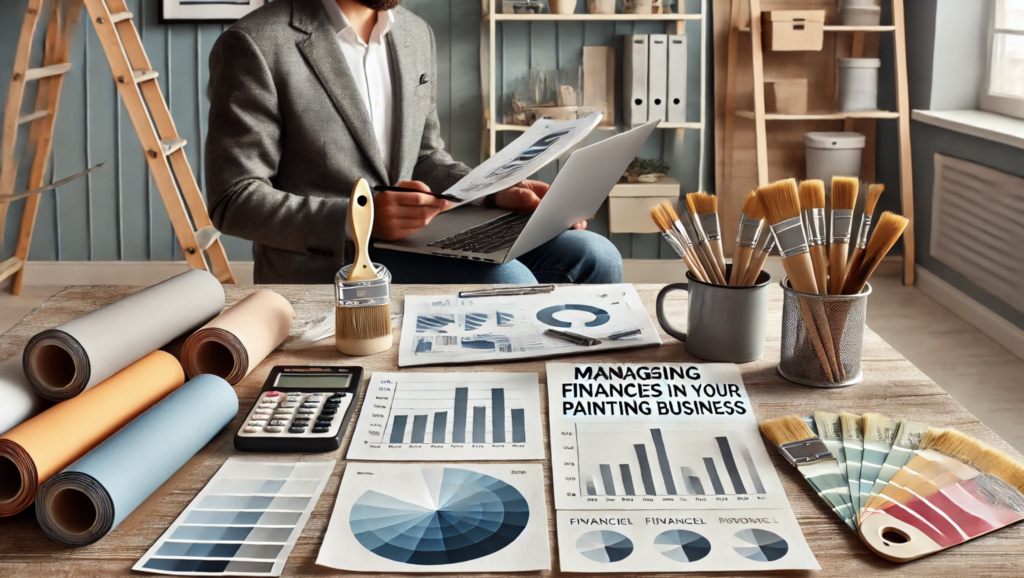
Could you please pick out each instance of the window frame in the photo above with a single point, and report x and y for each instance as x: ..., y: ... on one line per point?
x: 989, y: 101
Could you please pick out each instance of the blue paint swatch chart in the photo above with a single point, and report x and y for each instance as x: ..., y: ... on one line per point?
x: 449, y: 416
x: 438, y: 519
x: 244, y: 522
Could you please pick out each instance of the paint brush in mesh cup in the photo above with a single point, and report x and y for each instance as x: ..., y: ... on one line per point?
x: 844, y: 199
x: 863, y: 232
x: 751, y: 224
x: 805, y: 451
x: 812, y: 203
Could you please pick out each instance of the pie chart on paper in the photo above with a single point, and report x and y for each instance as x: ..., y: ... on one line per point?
x: 451, y: 515
x: 604, y: 546
x: 682, y: 545
x: 759, y: 545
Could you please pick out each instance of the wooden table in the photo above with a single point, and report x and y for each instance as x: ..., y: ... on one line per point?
x: 891, y: 386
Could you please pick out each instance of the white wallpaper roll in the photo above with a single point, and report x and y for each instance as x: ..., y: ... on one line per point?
x: 20, y: 401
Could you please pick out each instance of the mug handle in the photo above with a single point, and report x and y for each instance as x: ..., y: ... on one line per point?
x: 680, y: 335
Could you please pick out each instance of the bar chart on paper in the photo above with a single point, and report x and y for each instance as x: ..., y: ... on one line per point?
x: 661, y: 466
x: 449, y: 416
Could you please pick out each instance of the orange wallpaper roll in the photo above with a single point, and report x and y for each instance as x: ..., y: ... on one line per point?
x: 236, y: 341
x: 43, y: 446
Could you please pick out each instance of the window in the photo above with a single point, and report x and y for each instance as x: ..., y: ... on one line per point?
x: 1004, y: 89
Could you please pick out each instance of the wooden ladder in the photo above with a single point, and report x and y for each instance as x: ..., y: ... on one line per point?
x: 137, y: 85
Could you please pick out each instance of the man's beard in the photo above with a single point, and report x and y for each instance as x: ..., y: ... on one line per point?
x: 380, y: 5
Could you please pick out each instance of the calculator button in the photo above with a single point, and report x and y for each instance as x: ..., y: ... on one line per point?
x: 260, y: 416
x: 320, y: 429
x: 278, y: 422
x: 328, y: 411
x: 306, y: 411
x: 310, y: 404
x: 326, y: 418
x: 288, y: 405
x: 296, y: 430
x: 272, y: 394
x: 274, y: 429
x: 315, y: 397
x: 284, y: 410
x: 258, y: 422
x: 249, y: 429
x: 321, y: 423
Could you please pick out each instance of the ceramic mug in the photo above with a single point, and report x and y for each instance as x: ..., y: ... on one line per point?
x: 724, y: 323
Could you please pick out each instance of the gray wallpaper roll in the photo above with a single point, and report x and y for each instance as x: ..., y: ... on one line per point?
x: 71, y: 358
x: 18, y: 401
x: 93, y: 495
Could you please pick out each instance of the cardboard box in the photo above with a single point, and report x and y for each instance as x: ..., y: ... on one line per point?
x: 630, y: 204
x: 786, y: 96
x: 793, y: 30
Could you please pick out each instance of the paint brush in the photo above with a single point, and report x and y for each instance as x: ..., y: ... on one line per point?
x: 810, y: 456
x: 890, y: 228
x: 863, y: 233
x: 757, y: 261
x: 704, y: 236
x: 844, y: 199
x: 687, y: 230
x: 679, y: 244
x: 751, y: 224
x: 812, y: 203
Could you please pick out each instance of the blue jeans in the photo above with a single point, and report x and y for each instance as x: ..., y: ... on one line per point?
x: 572, y: 257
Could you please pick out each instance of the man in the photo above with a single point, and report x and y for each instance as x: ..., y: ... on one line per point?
x: 306, y: 97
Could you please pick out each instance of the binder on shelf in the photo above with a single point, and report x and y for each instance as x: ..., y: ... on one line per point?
x: 657, y: 77
x: 676, y: 102
x: 634, y: 79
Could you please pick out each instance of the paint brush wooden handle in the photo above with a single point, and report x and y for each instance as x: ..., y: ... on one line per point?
x: 740, y: 262
x: 713, y: 262
x: 801, y: 276
x: 819, y: 257
x: 852, y: 270
x: 719, y: 253
x: 837, y: 253
x: 812, y: 332
x: 360, y: 219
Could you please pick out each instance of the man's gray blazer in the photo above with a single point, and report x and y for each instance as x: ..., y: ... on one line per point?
x: 289, y: 135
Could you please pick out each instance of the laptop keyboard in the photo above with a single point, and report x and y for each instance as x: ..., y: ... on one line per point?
x: 494, y: 235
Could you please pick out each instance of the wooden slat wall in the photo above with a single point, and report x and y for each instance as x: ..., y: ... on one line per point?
x: 116, y: 214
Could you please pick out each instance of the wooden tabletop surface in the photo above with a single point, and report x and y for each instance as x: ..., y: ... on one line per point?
x: 892, y: 386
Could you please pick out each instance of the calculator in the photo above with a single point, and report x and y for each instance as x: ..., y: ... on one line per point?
x: 301, y: 409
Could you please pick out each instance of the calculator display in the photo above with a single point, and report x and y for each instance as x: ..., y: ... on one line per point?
x: 313, y: 381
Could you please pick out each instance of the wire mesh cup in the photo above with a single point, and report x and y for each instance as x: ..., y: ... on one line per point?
x: 822, y: 337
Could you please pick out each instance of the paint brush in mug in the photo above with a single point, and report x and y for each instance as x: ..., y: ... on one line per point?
x: 890, y: 228
x: 952, y: 491
x: 679, y: 244
x: 879, y: 435
x: 808, y: 454
x: 844, y: 199
x: 751, y: 224
x: 703, y: 238
x: 687, y: 230
x: 853, y: 444
x: 812, y: 203
x: 757, y: 260
x: 863, y: 232
x: 704, y: 208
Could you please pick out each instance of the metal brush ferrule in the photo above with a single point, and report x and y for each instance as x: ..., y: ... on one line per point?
x: 750, y: 230
x: 814, y: 220
x: 709, y: 222
x: 769, y: 243
x: 363, y: 293
x: 684, y: 235
x: 791, y: 237
x: 864, y: 232
x: 698, y: 235
x: 805, y: 452
x: 842, y: 224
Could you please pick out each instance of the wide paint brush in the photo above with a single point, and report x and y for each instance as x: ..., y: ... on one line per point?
x: 706, y: 225
x: 844, y: 199
x: 863, y: 232
x: 805, y: 451
x: 890, y: 228
x: 812, y: 204
x: 751, y: 224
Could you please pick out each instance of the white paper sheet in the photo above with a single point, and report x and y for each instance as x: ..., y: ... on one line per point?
x: 493, y: 518
x: 449, y: 416
x: 440, y: 329
x: 245, y: 522
x: 682, y: 541
x: 542, y: 143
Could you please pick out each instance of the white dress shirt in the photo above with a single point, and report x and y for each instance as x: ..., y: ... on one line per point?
x: 371, y: 70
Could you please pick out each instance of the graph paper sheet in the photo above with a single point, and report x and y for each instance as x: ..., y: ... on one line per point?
x: 449, y: 416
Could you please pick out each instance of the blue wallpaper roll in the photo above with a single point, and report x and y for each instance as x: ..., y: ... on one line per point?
x: 92, y: 496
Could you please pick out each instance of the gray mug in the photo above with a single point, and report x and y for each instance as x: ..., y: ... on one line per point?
x: 724, y: 323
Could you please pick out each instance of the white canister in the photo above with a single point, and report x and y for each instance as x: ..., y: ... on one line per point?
x: 858, y: 84
x: 832, y: 154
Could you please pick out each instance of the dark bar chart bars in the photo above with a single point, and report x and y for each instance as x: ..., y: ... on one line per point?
x: 440, y: 421
x: 498, y: 415
x: 627, y: 479
x: 459, y: 427
x: 398, y: 429
x: 692, y: 481
x: 518, y: 426
x: 666, y: 467
x: 419, y: 429
x: 645, y: 469
x: 730, y: 465
x: 479, y: 425
x: 591, y: 490
x: 606, y: 477
x: 749, y: 460
x: 716, y: 482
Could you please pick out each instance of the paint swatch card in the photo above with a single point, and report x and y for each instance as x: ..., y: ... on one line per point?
x: 245, y: 522
x: 449, y: 416
x: 439, y: 519
x: 682, y: 541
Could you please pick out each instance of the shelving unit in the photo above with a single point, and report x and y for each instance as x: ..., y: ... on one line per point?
x: 675, y: 23
x: 761, y: 117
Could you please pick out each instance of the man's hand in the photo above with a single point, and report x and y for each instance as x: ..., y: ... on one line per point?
x: 525, y: 196
x: 398, y: 215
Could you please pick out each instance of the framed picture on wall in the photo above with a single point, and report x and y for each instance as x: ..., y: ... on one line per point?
x: 207, y: 10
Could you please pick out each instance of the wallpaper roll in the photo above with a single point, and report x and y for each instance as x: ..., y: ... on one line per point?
x: 38, y: 449
x: 89, y: 499
x: 65, y: 361
x: 236, y: 341
x: 18, y: 401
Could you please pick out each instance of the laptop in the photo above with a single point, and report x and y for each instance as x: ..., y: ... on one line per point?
x: 495, y: 235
